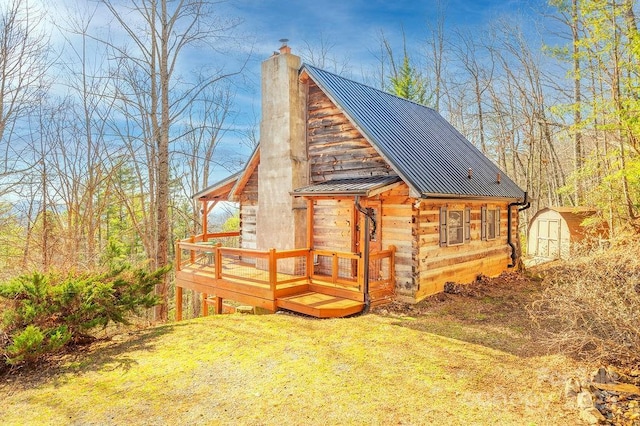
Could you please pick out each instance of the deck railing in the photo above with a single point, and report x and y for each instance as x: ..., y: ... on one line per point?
x: 382, y: 268
x: 271, y: 273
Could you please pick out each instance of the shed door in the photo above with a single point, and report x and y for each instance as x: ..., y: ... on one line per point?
x: 549, y: 238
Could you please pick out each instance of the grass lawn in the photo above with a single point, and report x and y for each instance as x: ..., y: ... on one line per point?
x: 461, y: 359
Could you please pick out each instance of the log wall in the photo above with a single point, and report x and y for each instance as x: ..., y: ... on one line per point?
x: 461, y: 263
x: 249, y: 212
x: 336, y: 148
x: 332, y: 224
x: 399, y: 229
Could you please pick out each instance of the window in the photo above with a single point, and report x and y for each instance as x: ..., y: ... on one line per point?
x: 490, y: 223
x: 455, y: 226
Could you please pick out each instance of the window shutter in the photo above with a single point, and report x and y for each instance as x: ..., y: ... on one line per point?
x: 443, y: 227
x: 483, y: 226
x: 467, y: 225
x: 498, y: 222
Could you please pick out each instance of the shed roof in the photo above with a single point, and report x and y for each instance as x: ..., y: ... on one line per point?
x: 587, y: 211
x: 567, y: 213
x: 573, y: 217
x: 425, y: 150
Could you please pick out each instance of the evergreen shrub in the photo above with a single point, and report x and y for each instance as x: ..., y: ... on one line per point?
x: 42, y: 313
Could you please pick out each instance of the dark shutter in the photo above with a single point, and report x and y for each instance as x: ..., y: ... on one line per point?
x: 443, y: 227
x: 467, y: 225
x: 483, y: 223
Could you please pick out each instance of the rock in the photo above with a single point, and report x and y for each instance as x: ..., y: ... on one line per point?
x: 584, y: 400
x: 244, y: 309
x: 605, y: 376
x: 572, y: 387
x: 592, y: 416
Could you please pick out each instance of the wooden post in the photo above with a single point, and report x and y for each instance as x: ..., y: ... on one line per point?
x: 273, y: 271
x: 205, y: 224
x: 205, y: 306
x: 355, y: 236
x: 309, y: 223
x: 193, y: 252
x: 334, y: 267
x: 361, y: 266
x: 178, y: 259
x: 309, y: 263
x: 178, y: 303
x: 218, y: 261
x: 218, y: 305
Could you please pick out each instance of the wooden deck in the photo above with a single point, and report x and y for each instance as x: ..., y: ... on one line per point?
x: 319, y: 283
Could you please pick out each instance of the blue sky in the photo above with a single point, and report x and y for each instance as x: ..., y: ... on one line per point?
x: 353, y: 25
x: 353, y: 28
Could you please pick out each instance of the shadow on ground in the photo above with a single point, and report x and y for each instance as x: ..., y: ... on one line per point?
x: 109, y: 353
x: 492, y: 312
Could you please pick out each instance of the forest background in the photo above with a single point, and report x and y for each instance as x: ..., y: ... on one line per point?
x: 113, y: 113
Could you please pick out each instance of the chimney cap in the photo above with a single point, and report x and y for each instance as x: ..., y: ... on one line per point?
x: 284, y: 48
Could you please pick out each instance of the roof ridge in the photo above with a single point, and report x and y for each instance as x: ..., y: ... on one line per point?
x: 305, y: 65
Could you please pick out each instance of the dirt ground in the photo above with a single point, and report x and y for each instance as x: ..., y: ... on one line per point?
x: 491, y: 311
x: 495, y: 312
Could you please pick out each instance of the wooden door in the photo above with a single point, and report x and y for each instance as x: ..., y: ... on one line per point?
x: 548, y: 238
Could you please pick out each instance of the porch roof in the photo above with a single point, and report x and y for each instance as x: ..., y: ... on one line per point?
x: 219, y: 190
x: 367, y: 187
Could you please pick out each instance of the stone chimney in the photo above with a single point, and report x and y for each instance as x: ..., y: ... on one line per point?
x: 281, y: 219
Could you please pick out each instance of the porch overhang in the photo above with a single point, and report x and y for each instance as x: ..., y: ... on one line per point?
x: 363, y: 187
x: 219, y: 191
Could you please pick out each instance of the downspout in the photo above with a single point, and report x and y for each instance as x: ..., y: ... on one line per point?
x: 525, y: 205
x: 368, y: 214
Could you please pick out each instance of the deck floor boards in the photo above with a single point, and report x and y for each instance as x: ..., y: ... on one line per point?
x: 322, y: 299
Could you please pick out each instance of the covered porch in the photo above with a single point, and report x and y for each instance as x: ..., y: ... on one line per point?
x: 343, y: 277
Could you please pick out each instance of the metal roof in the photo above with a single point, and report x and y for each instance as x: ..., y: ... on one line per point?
x: 357, y: 186
x: 425, y: 150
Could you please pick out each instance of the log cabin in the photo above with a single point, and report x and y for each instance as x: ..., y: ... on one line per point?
x: 353, y: 197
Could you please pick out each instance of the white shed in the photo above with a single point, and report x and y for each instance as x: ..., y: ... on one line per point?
x: 553, y: 230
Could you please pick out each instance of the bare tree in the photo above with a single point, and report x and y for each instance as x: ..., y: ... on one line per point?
x: 153, y: 98
x: 321, y: 54
x: 436, y: 54
x: 83, y: 163
x: 23, y: 66
x: 480, y: 70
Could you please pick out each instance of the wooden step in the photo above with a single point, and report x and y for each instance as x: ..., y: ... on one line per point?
x: 320, y: 305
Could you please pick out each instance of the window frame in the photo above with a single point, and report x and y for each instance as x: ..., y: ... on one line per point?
x: 445, y: 227
x: 486, y: 235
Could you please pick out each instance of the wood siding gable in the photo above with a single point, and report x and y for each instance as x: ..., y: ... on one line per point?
x: 336, y: 149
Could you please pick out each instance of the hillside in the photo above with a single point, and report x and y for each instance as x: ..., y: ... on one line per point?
x: 388, y: 367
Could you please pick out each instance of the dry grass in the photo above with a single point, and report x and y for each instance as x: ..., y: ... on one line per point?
x: 591, y: 306
x: 461, y: 359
